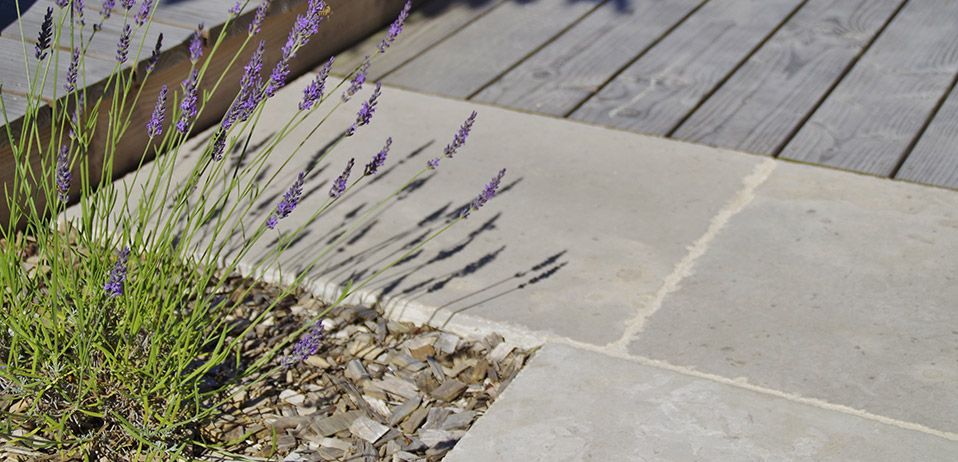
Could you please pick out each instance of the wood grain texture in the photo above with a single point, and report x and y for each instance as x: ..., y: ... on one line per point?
x: 483, y: 50
x: 873, y: 115
x: 572, y: 68
x: 13, y: 73
x: 656, y: 92
x: 766, y: 99
x: 14, y: 107
x: 934, y: 160
x: 425, y: 27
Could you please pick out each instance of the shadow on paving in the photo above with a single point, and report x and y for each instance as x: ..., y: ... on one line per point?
x: 438, y: 7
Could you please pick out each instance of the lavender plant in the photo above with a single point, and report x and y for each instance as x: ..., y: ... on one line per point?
x: 114, y: 318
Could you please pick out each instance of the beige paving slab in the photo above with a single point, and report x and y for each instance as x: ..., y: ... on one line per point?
x: 574, y: 405
x: 828, y: 285
x: 589, y: 223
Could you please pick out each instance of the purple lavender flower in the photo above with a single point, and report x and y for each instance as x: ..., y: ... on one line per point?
x: 62, y: 3
x: 288, y: 203
x: 63, y: 173
x: 144, y: 13
x: 114, y: 285
x: 196, y: 44
x: 314, y: 91
x: 72, y: 71
x: 365, y: 114
x: 307, y: 345
x: 260, y: 16
x: 339, y: 186
x: 123, y: 45
x: 46, y: 32
x: 379, y: 159
x: 251, y: 85
x: 127, y: 4
x: 188, y: 103
x: 433, y: 163
x: 358, y: 80
x: 155, y: 126
x: 78, y: 7
x: 155, y: 56
x: 488, y: 192
x: 236, y: 8
x: 106, y: 9
x: 460, y: 137
x: 305, y: 26
x: 219, y: 144
x: 395, y: 28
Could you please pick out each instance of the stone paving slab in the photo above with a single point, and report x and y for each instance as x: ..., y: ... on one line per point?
x: 574, y: 405
x: 831, y: 286
x: 595, y: 219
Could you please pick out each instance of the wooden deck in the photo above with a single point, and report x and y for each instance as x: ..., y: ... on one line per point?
x: 862, y: 85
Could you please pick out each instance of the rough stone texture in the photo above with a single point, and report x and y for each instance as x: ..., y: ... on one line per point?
x: 610, y: 212
x: 832, y: 286
x: 573, y: 405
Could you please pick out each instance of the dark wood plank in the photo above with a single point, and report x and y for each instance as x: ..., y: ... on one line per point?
x: 765, y: 101
x: 425, y: 27
x: 872, y: 116
x: 656, y: 92
x: 934, y: 160
x: 483, y: 50
x: 567, y: 71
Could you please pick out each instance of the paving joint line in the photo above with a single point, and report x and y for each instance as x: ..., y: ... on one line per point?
x: 743, y: 383
x: 684, y: 268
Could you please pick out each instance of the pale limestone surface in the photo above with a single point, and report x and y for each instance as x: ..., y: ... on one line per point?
x: 829, y: 285
x: 573, y: 405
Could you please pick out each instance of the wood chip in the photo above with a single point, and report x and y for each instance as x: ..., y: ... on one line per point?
x: 400, y: 412
x: 447, y: 343
x: 436, y: 417
x: 368, y: 429
x: 460, y: 421
x: 448, y: 390
x: 436, y: 369
x: 329, y: 426
x: 292, y: 397
x: 423, y: 352
x: 439, y: 438
x: 501, y: 351
x: 356, y: 371
x: 414, y: 421
x: 395, y: 386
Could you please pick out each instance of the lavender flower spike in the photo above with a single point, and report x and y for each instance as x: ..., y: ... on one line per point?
x: 188, y: 103
x: 339, y: 186
x: 155, y: 56
x: 106, y: 9
x: 46, y: 32
x: 127, y: 4
x: 288, y: 203
x: 144, y: 13
x: 78, y: 7
x: 62, y: 3
x: 72, y: 71
x: 460, y: 138
x: 433, y: 163
x: 236, y: 8
x: 305, y: 26
x: 63, y: 173
x: 395, y: 28
x: 196, y: 44
x: 254, y: 27
x: 487, y: 193
x: 114, y: 285
x: 379, y: 159
x: 123, y: 45
x: 365, y: 114
x: 307, y: 345
x: 155, y: 126
x: 358, y: 80
x: 314, y: 91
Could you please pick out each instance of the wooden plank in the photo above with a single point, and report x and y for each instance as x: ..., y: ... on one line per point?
x: 873, y: 115
x: 483, y: 50
x: 766, y: 100
x: 14, y: 77
x: 934, y: 160
x: 188, y: 14
x: 571, y: 69
x: 425, y: 27
x: 656, y: 92
x: 14, y: 107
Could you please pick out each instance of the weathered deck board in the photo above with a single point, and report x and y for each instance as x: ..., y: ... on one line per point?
x: 934, y: 160
x: 189, y: 14
x: 767, y: 99
x: 483, y: 50
x: 567, y: 71
x: 425, y: 27
x: 14, y: 77
x: 874, y: 114
x: 14, y: 107
x: 656, y: 92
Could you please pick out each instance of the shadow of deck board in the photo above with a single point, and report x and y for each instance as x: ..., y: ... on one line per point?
x: 425, y: 27
x: 934, y: 160
x: 871, y: 118
x: 656, y: 92
x: 573, y: 67
x: 767, y: 99
x: 483, y: 50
